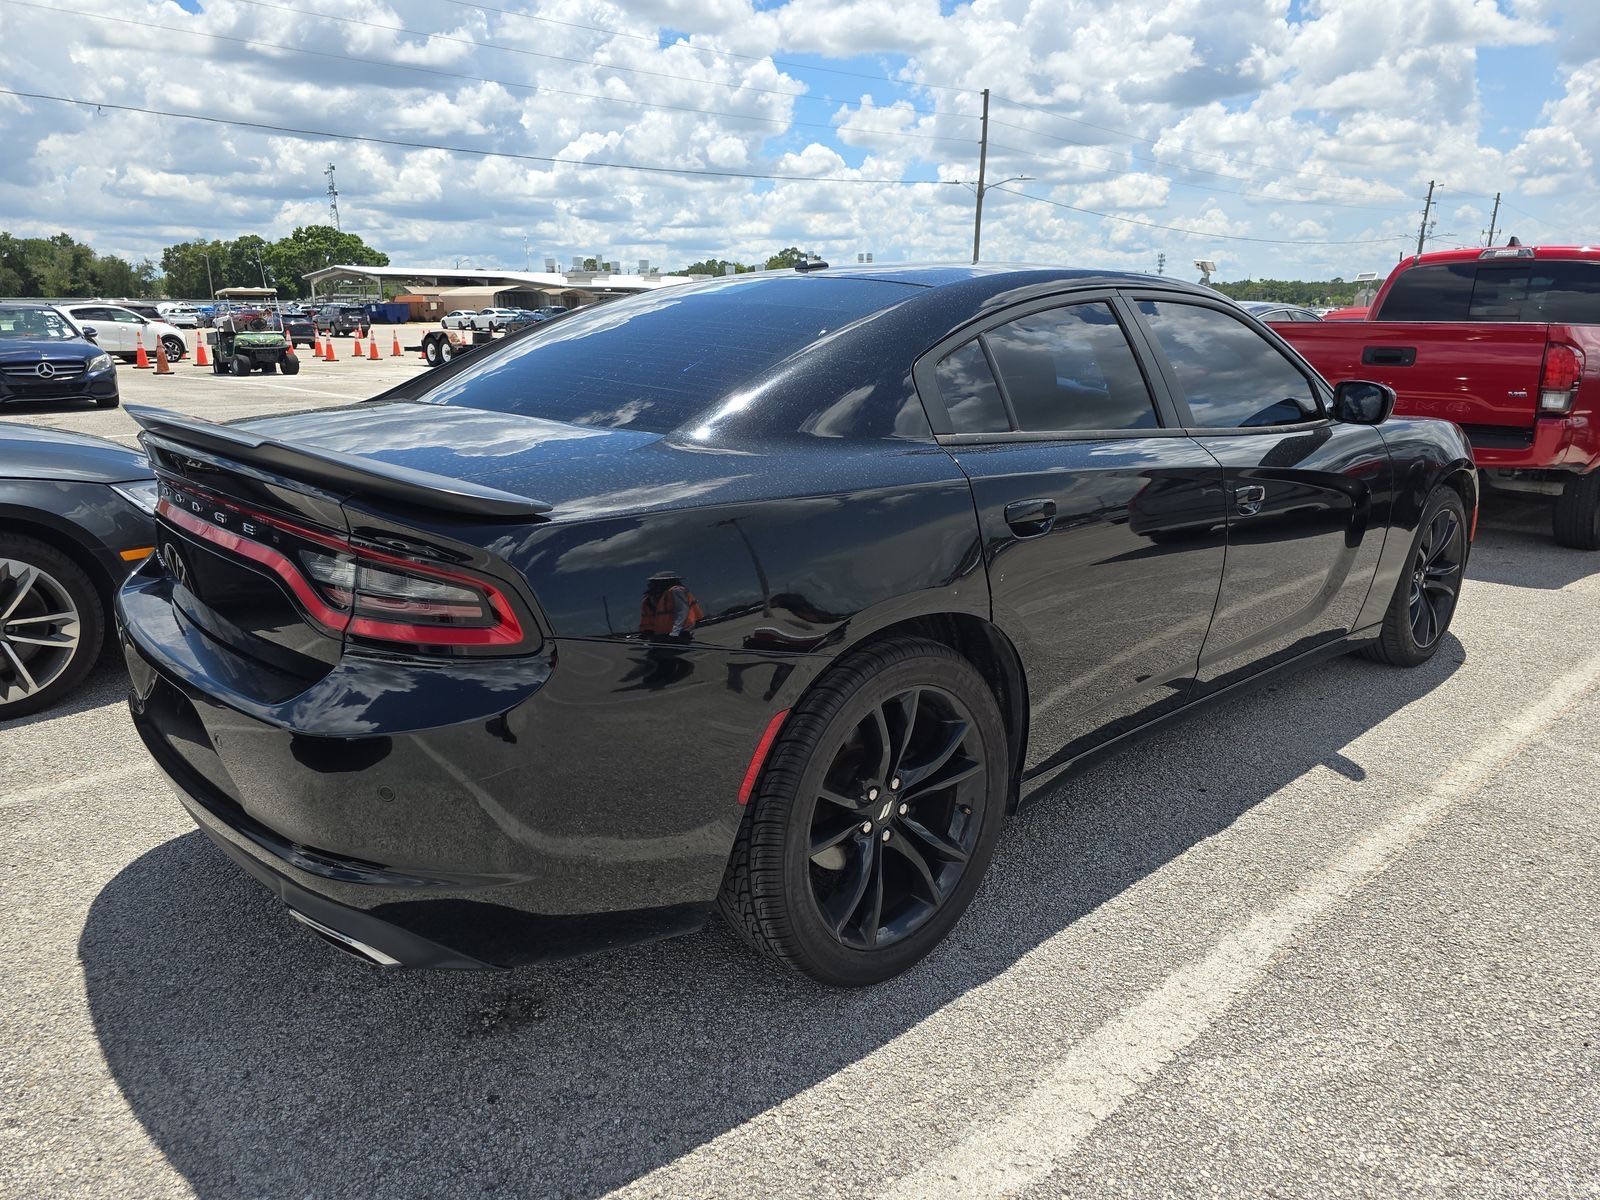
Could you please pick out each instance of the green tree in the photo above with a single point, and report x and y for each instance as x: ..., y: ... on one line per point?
x: 713, y: 266
x: 311, y: 247
x: 790, y: 256
x: 185, y: 270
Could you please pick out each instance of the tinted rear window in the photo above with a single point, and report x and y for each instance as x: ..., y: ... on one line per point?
x: 1540, y: 291
x: 652, y: 362
x: 1440, y: 293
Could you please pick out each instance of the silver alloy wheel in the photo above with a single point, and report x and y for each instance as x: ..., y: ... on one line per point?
x: 40, y: 630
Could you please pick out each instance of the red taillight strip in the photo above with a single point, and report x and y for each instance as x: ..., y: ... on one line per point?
x: 316, y: 608
x: 759, y: 758
x: 506, y: 632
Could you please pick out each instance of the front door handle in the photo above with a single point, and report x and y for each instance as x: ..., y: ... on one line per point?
x: 1030, y: 518
x: 1248, y: 498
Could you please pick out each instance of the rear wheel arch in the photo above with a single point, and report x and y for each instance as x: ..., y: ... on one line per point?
x: 986, y: 647
x: 82, y: 557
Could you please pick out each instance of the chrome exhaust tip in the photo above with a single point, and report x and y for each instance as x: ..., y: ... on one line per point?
x: 368, y: 954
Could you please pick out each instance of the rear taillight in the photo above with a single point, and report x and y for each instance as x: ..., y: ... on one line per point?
x: 1558, y: 382
x: 347, y: 588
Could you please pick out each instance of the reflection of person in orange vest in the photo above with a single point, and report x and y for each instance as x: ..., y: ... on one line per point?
x: 668, y: 610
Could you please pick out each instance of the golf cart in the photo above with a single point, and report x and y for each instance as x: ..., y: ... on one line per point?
x: 249, y: 335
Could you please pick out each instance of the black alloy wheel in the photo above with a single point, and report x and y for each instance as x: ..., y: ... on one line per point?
x: 896, y: 818
x: 874, y: 817
x: 1429, y: 589
x: 1436, y: 577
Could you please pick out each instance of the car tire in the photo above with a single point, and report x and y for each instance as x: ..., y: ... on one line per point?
x: 290, y: 364
x: 176, y: 348
x: 111, y: 401
x: 57, y: 585
x: 1577, y: 515
x: 242, y: 364
x: 1429, y: 589
x: 430, y: 352
x: 832, y: 887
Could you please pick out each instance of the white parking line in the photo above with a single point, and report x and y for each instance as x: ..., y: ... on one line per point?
x: 1115, y: 1062
x: 77, y: 783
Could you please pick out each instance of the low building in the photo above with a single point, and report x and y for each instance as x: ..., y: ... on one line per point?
x: 453, y: 287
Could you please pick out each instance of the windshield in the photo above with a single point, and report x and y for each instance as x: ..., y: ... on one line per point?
x: 34, y: 321
x: 651, y: 362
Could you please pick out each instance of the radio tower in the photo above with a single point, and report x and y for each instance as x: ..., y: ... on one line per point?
x: 333, y: 196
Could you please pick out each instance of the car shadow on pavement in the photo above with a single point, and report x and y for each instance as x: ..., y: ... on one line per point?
x: 263, y: 1063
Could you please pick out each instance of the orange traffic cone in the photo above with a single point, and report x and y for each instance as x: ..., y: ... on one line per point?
x: 141, y: 360
x: 372, y: 350
x: 330, y: 356
x: 200, y: 357
x: 396, y: 352
x: 163, y: 367
x: 317, y: 349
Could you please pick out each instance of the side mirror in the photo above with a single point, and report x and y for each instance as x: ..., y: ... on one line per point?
x: 89, y: 332
x: 1359, y: 402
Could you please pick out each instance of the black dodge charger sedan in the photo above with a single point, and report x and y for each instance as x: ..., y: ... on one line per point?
x: 777, y: 592
x: 43, y: 357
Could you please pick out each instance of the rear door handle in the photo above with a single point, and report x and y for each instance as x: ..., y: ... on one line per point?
x: 1030, y: 518
x: 1248, y: 498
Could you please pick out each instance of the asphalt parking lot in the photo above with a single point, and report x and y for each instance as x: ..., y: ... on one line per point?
x: 1337, y: 938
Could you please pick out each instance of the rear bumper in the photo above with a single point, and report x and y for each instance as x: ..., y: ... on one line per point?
x: 1555, y: 443
x: 461, y: 814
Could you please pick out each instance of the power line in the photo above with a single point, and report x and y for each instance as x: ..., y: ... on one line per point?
x: 538, y: 88
x: 412, y: 145
x: 656, y: 41
x: 585, y: 62
x: 1199, y: 233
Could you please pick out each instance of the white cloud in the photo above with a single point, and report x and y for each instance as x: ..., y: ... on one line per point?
x: 1324, y: 128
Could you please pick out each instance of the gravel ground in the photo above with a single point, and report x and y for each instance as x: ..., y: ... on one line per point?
x: 1336, y: 938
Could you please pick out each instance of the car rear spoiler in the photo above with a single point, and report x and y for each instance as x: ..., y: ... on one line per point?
x: 343, y: 472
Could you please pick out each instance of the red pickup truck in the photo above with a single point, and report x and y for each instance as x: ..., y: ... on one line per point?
x: 1505, y: 342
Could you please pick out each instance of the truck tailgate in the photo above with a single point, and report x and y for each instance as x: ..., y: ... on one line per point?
x: 1484, y: 377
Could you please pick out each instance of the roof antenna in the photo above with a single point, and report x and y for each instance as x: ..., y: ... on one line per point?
x: 1514, y: 241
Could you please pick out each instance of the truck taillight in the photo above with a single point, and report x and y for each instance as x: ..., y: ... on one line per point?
x: 1558, y: 382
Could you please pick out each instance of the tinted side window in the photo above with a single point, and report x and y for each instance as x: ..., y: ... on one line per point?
x: 1439, y: 293
x: 1564, y: 292
x: 1071, y: 368
x: 970, y: 395
x: 1232, y: 377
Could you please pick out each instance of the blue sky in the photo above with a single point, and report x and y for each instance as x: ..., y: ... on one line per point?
x: 1290, y: 137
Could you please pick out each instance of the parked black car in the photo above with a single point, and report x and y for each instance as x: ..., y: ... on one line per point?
x: 75, y: 518
x: 300, y: 329
x: 781, y: 589
x: 341, y: 320
x: 42, y: 357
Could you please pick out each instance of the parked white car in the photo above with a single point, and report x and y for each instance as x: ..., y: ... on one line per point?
x: 119, y: 331
x: 460, y: 319
x: 184, y: 316
x: 493, y: 319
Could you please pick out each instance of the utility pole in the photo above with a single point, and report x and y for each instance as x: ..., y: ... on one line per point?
x: 333, y: 197
x: 1427, y: 207
x: 1161, y: 264
x: 983, y: 163
x: 1493, y: 217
